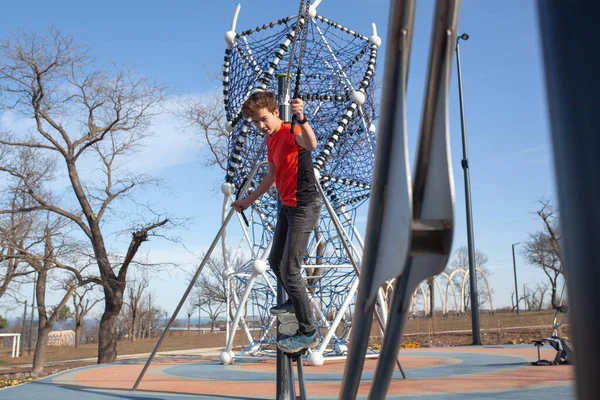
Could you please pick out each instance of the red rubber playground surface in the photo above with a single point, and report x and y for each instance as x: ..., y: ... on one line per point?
x: 495, y: 372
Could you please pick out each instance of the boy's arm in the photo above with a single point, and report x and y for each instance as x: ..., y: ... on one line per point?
x: 265, y: 184
x: 306, y: 138
x: 263, y: 187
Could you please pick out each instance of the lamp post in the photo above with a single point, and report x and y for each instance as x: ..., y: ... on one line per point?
x: 470, y: 239
x: 515, y: 271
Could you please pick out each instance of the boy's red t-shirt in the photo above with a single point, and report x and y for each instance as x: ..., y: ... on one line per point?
x: 294, y: 175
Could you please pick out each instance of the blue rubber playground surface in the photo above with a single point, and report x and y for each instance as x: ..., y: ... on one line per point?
x: 494, y: 372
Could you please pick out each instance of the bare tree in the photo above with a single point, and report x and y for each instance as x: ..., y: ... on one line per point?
x: 150, y: 319
x: 460, y: 260
x: 543, y: 249
x: 522, y: 299
x: 191, y: 306
x: 81, y: 112
x: 211, y: 293
x: 211, y: 306
x: 51, y: 259
x: 82, y: 305
x: 136, y: 305
x: 208, y: 116
x: 535, y: 300
x: 16, y: 228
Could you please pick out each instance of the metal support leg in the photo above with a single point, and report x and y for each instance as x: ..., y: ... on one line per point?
x: 283, y: 365
x: 291, y: 384
x: 290, y: 378
x: 194, y: 279
x: 346, y: 242
x: 410, y: 224
x: 301, y: 382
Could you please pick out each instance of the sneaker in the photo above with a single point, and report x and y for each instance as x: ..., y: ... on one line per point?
x: 298, y: 342
x: 285, y: 308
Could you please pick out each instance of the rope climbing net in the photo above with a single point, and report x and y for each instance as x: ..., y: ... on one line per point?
x: 334, y: 69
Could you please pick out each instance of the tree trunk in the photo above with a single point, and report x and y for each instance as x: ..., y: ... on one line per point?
x: 133, y: 333
x: 213, y: 322
x: 78, y: 329
x: 554, y: 299
x: 39, y: 356
x: 107, y: 338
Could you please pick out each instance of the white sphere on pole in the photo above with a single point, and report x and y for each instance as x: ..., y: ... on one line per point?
x: 359, y: 97
x: 259, y: 266
x: 315, y: 358
x: 375, y: 40
x: 230, y: 37
x: 226, y: 357
x: 228, y: 272
x: 227, y: 188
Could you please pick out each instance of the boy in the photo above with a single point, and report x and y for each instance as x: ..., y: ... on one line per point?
x: 291, y: 170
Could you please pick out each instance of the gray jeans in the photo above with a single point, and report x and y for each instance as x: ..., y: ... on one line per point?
x: 290, y: 241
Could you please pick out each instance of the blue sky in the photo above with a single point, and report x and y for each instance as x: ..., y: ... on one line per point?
x: 179, y: 42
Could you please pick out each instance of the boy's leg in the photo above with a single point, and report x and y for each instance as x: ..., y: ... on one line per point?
x: 301, y: 222
x: 278, y: 246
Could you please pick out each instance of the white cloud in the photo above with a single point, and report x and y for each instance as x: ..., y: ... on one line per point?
x: 170, y: 144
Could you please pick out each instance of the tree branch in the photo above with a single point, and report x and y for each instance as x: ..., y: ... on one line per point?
x: 136, y: 241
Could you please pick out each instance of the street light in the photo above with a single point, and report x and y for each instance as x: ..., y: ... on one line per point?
x: 515, y: 271
x: 470, y: 239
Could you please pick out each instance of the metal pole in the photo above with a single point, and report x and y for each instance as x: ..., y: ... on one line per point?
x: 285, y: 385
x: 467, y: 177
x: 515, y: 271
x: 22, y: 344
x: 568, y: 31
x: 283, y: 97
x: 194, y: 279
x: 151, y: 313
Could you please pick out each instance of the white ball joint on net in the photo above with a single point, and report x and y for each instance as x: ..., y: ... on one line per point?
x: 259, y: 266
x: 227, y: 189
x: 228, y: 273
x: 312, y: 10
x: 226, y: 357
x: 375, y: 39
x: 230, y: 34
x: 316, y: 359
x: 359, y: 97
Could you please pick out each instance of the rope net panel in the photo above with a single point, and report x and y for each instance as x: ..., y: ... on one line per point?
x: 336, y: 85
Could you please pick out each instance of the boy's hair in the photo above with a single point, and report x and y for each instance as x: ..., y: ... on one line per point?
x: 257, y: 101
